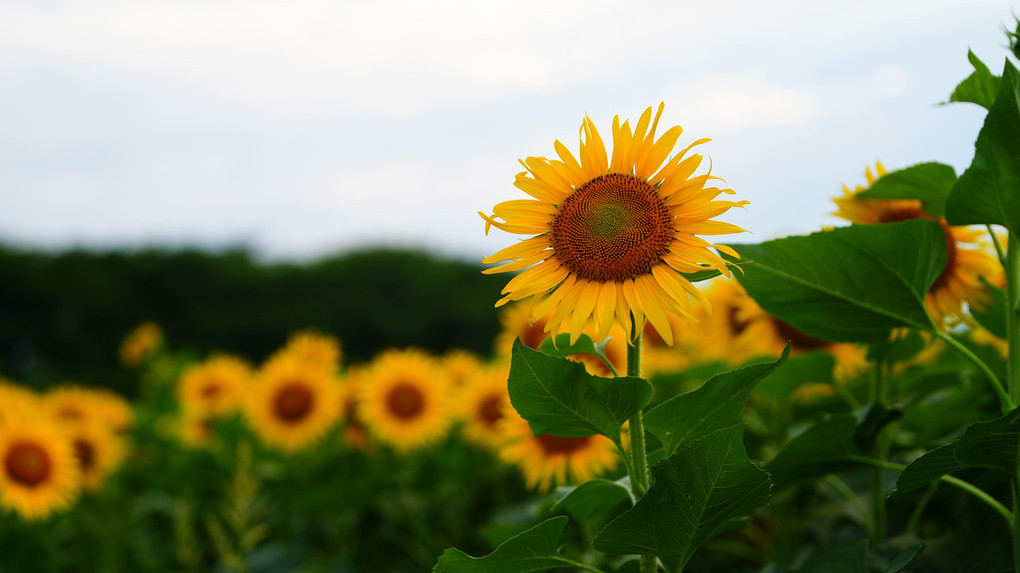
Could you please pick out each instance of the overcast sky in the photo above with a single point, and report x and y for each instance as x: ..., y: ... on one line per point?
x: 303, y: 128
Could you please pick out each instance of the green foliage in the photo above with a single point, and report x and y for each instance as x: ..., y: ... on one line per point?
x: 594, y: 498
x: 696, y: 491
x: 557, y: 396
x: 850, y: 557
x: 990, y: 444
x: 928, y: 182
x: 988, y: 192
x: 851, y: 284
x: 824, y: 448
x: 992, y: 315
x: 560, y: 346
x: 531, y: 551
x: 980, y: 87
x: 715, y: 405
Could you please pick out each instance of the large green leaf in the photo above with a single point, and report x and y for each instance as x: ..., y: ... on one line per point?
x: 850, y: 284
x: 531, y: 551
x: 715, y: 405
x: 980, y: 87
x: 928, y: 182
x: 989, y: 444
x: 797, y: 370
x: 696, y: 491
x: 557, y: 396
x: 988, y: 192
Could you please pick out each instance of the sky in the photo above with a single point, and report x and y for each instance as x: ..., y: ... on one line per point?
x: 305, y: 128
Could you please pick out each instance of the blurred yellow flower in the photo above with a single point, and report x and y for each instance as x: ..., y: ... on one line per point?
x: 293, y: 403
x: 314, y: 348
x: 405, y: 399
x: 140, y: 344
x: 481, y: 402
x: 98, y: 450
x: 38, y: 470
x: 216, y: 386
x: 548, y: 460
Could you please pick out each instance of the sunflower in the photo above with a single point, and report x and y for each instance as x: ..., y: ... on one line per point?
x: 313, y: 348
x: 293, y: 403
x: 98, y: 450
x: 38, y: 470
x: 215, y: 386
x: 546, y: 460
x: 967, y: 259
x: 353, y: 433
x: 113, y: 411
x: 612, y: 233
x: 140, y: 344
x: 481, y: 401
x: 406, y: 399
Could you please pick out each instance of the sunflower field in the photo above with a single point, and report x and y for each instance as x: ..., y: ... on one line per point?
x: 654, y: 399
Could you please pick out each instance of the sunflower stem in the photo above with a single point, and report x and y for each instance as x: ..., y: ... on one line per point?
x: 878, y: 508
x: 639, y: 482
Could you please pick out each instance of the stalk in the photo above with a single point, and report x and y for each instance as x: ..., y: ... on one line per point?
x: 639, y: 481
x: 878, y: 508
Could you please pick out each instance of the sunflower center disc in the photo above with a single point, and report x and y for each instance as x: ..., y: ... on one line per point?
x: 27, y: 464
x: 86, y: 455
x: 293, y: 402
x: 613, y: 228
x: 560, y: 444
x: 405, y: 401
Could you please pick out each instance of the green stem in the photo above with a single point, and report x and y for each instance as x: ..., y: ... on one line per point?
x: 915, y: 517
x: 998, y: 247
x: 1005, y: 401
x: 851, y: 497
x: 639, y: 482
x: 965, y: 486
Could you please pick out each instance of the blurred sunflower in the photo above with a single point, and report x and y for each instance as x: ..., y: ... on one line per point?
x: 216, y: 386
x: 140, y: 344
x: 293, y: 403
x: 113, y: 411
x: 967, y: 260
x: 406, y: 399
x: 481, y: 402
x: 98, y: 450
x: 38, y: 470
x: 193, y: 429
x: 548, y: 460
x: 73, y: 404
x: 314, y: 348
x: 611, y: 234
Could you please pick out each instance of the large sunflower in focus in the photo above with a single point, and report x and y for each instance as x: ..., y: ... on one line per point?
x: 967, y: 256
x: 293, y: 403
x: 612, y: 233
x: 547, y: 460
x: 405, y: 399
x: 38, y: 470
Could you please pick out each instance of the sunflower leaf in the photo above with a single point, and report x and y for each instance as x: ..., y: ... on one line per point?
x: 850, y: 284
x: 557, y: 396
x: 848, y: 557
x: 988, y: 192
x: 592, y: 499
x: 989, y: 444
x: 717, y: 404
x: 531, y: 551
x: 980, y: 87
x: 928, y: 182
x: 697, y: 491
